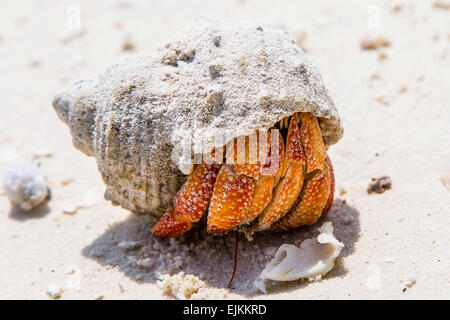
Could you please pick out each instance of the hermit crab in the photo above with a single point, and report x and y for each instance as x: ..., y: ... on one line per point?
x: 229, y: 121
x: 282, y: 187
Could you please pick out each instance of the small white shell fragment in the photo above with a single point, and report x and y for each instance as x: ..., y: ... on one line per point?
x: 146, y: 263
x: 128, y: 245
x: 70, y: 35
x: 312, y: 260
x: 70, y: 269
x: 54, y: 291
x: 410, y: 280
x: 260, y: 285
x: 69, y: 208
x: 25, y: 186
x: 390, y: 259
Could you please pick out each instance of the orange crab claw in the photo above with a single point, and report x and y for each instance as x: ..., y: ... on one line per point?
x: 312, y: 142
x: 230, y: 201
x: 171, y: 224
x: 314, y: 200
x: 190, y: 202
x: 289, y: 187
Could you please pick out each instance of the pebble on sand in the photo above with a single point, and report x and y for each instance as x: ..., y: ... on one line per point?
x: 410, y: 280
x: 54, y: 291
x: 368, y: 42
x: 382, y: 100
x: 128, y: 44
x: 442, y: 4
x: 379, y: 185
x: 42, y: 153
x: 121, y: 288
x: 69, y: 208
x: 25, y: 186
x: 403, y: 89
x: 382, y: 56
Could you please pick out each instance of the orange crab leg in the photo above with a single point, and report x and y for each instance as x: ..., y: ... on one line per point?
x: 331, y: 194
x: 312, y: 142
x: 245, y: 156
x: 270, y: 175
x: 315, y: 198
x: 261, y: 198
x: 230, y: 201
x: 190, y: 202
x: 171, y: 224
x: 317, y: 195
x: 275, y: 161
x: 289, y: 187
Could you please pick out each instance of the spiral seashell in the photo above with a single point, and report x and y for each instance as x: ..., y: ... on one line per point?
x: 213, y: 80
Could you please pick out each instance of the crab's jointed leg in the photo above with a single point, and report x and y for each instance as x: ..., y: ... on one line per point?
x: 270, y: 174
x: 261, y: 198
x: 190, y: 202
x: 312, y: 142
x: 230, y: 201
x: 315, y: 197
x: 246, y: 160
x: 290, y: 185
x: 331, y: 193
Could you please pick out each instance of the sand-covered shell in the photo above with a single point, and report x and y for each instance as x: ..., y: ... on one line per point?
x: 25, y: 186
x: 213, y: 80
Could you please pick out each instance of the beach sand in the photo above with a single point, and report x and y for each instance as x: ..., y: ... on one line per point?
x: 394, y: 104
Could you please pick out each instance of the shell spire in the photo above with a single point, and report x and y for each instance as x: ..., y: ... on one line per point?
x: 76, y: 108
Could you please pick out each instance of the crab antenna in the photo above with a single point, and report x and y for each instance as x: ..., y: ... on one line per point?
x: 235, y: 260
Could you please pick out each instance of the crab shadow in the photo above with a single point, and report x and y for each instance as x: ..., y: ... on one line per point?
x: 36, y: 213
x: 130, y: 247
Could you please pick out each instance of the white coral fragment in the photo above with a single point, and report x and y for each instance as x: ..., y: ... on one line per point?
x: 312, y: 260
x: 185, y: 287
x: 25, y: 186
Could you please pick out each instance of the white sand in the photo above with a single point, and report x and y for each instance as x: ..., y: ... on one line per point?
x: 103, y: 250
